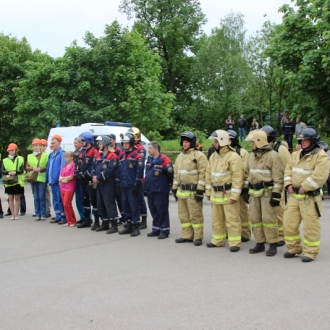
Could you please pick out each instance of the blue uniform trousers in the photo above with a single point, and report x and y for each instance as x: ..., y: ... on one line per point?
x: 89, y: 199
x: 158, y: 205
x: 79, y: 204
x: 131, y: 205
x: 106, y: 200
x: 143, y: 205
x: 57, y: 203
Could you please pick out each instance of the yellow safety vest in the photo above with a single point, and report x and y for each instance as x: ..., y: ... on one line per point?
x: 9, y: 165
x: 33, y: 162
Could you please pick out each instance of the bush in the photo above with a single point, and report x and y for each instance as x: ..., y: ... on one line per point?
x: 154, y: 136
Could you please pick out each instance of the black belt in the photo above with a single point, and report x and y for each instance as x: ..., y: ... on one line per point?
x: 222, y: 188
x: 309, y: 193
x: 189, y: 187
x: 261, y: 185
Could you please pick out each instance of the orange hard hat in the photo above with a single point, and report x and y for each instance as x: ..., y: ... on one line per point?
x: 12, y: 146
x: 36, y: 141
x: 58, y: 137
x: 44, y: 142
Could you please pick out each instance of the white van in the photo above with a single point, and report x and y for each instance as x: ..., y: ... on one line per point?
x: 68, y: 134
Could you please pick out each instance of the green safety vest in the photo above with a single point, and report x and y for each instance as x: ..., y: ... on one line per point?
x: 9, y: 165
x: 33, y: 162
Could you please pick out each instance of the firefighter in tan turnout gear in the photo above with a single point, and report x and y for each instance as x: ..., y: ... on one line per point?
x: 285, y: 157
x: 223, y: 183
x: 244, y: 210
x: 263, y: 183
x: 305, y: 174
x: 188, y: 188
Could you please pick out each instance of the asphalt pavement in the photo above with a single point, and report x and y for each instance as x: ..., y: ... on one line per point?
x: 54, y: 277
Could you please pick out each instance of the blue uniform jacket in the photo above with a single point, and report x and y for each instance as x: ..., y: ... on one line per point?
x: 130, y: 169
x: 159, y: 174
x: 105, y: 169
x: 85, y: 163
x: 55, y: 163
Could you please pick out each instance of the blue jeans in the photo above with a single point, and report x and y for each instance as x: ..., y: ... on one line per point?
x: 57, y: 203
x: 39, y: 196
x: 242, y: 134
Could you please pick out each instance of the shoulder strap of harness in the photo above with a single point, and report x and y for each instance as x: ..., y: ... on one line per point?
x: 277, y: 145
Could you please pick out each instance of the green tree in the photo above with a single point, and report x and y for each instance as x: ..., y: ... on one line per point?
x: 115, y: 77
x: 13, y: 55
x: 301, y: 45
x: 172, y: 28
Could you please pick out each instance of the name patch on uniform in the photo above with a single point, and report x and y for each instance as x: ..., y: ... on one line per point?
x: 105, y: 165
x: 130, y: 165
x: 156, y: 173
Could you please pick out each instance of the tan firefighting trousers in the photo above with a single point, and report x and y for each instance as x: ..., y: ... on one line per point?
x: 191, y: 217
x: 244, y: 215
x: 295, y: 211
x: 263, y: 218
x: 226, y: 216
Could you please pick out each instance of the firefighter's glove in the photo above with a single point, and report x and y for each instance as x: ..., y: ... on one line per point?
x: 174, y: 191
x: 135, y: 190
x: 199, y: 195
x: 118, y: 190
x: 275, y: 200
x: 245, y: 195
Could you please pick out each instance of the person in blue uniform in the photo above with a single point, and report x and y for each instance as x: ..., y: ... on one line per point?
x: 158, y: 179
x: 104, y: 177
x: 129, y: 184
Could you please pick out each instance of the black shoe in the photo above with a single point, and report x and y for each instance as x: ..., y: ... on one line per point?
x: 260, y: 247
x: 21, y: 214
x: 105, y: 226
x: 183, y: 240
x: 53, y: 218
x: 114, y: 228
x: 280, y: 243
x: 211, y: 245
x: 96, y: 224
x: 1, y: 215
x: 127, y: 230
x: 48, y: 215
x: 289, y: 255
x: 234, y: 248
x: 244, y: 239
x: 272, y: 250
x: 135, y: 231
x: 198, y: 242
x: 61, y: 222
x: 80, y: 221
x: 162, y: 236
x: 153, y: 234
x: 143, y: 224
x: 34, y: 215
x: 306, y: 259
x: 85, y: 224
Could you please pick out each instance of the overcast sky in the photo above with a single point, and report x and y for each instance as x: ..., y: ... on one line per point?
x: 52, y: 25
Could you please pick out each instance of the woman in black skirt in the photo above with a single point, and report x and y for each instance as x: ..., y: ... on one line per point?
x: 14, y: 165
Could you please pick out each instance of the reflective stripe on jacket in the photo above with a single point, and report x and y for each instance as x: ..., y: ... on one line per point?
x: 224, y: 168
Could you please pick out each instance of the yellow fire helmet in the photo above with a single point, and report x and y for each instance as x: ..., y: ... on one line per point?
x: 135, y: 132
x: 259, y: 137
x: 221, y: 136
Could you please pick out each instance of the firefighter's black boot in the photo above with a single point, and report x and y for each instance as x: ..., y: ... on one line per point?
x: 272, y: 250
x: 96, y: 223
x: 136, y: 231
x: 260, y: 247
x: 86, y: 223
x: 104, y: 226
x: 113, y: 228
x: 127, y: 230
x: 143, y: 224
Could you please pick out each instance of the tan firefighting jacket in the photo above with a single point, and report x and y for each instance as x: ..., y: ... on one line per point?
x: 264, y: 165
x: 283, y: 152
x: 310, y: 172
x: 245, y: 156
x: 189, y: 169
x: 223, y: 169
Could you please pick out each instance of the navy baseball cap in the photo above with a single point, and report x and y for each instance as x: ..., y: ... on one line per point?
x: 113, y: 136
